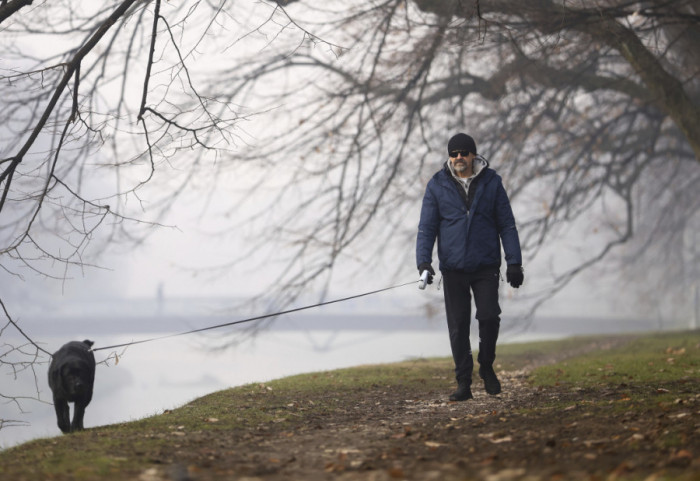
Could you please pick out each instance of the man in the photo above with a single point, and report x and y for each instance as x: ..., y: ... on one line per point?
x: 467, y: 209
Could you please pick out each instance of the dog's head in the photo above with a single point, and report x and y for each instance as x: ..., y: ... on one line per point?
x: 75, y: 378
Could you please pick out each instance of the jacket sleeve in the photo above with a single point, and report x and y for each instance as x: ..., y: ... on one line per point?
x: 427, y: 227
x: 507, y: 230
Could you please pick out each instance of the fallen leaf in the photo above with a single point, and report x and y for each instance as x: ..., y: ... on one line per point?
x: 676, y: 352
x: 333, y: 468
x: 395, y: 472
x: 623, y: 468
x: 507, y: 474
x: 151, y: 474
x: 594, y: 442
x: 495, y: 439
x: 346, y: 451
x: 683, y: 453
x: 682, y: 457
x: 433, y: 444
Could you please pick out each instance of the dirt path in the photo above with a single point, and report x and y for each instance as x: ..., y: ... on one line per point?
x: 395, y: 432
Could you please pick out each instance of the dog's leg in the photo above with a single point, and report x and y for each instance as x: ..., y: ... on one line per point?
x: 78, y: 413
x: 62, y: 414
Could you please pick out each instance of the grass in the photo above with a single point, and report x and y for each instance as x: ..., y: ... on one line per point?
x: 513, y: 356
x: 655, y: 359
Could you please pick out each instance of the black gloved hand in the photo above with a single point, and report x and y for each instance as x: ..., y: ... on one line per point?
x: 426, y: 267
x: 515, y: 275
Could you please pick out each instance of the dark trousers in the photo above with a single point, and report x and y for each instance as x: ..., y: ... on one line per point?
x: 458, y: 289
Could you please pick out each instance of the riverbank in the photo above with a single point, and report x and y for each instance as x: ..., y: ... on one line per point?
x: 622, y: 407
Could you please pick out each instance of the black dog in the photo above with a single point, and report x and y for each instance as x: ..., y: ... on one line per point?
x: 71, y: 378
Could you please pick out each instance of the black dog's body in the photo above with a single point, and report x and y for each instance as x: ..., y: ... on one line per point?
x: 71, y: 379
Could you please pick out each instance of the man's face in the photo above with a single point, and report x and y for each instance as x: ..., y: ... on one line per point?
x: 462, y: 161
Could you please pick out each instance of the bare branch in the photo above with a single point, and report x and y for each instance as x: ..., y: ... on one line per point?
x: 9, y: 8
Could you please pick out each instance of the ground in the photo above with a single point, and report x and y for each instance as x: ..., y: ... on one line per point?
x: 388, y: 432
x: 394, y: 422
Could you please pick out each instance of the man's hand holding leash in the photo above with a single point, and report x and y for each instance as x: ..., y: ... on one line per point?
x: 426, y: 275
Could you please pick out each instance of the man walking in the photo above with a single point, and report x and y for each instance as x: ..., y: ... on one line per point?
x: 467, y: 209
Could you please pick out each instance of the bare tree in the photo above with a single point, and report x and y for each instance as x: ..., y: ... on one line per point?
x: 103, y: 126
x: 589, y: 112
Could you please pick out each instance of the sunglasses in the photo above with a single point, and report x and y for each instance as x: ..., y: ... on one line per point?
x: 455, y: 153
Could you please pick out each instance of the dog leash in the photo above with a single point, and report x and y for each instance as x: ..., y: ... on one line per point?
x: 251, y: 319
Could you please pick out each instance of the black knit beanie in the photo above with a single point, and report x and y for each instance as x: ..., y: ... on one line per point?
x: 461, y: 142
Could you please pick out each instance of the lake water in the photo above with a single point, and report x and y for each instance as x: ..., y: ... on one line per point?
x: 152, y: 377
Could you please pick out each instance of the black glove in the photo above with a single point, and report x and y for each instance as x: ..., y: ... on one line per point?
x: 515, y: 275
x: 426, y: 267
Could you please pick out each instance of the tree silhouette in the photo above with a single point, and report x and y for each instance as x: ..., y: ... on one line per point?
x: 589, y: 113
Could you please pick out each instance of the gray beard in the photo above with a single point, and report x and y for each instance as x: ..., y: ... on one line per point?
x: 460, y: 167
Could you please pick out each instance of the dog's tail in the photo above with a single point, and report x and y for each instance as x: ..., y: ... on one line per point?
x: 88, y: 342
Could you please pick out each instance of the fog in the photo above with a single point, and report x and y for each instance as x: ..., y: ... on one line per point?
x: 224, y: 250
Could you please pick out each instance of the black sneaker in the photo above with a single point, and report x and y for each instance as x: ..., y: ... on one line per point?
x: 491, y: 382
x: 462, y: 393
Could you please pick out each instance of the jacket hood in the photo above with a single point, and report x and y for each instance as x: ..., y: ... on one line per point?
x: 479, y: 165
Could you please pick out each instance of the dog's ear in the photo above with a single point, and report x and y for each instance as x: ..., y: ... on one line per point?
x: 88, y: 342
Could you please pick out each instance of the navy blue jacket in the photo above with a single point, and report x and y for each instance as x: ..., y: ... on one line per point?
x: 468, y: 239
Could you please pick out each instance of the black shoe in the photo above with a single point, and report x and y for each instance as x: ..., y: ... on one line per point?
x: 491, y: 382
x: 462, y: 393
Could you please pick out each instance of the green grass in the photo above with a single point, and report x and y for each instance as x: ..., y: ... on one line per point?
x: 514, y: 356
x: 655, y: 359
